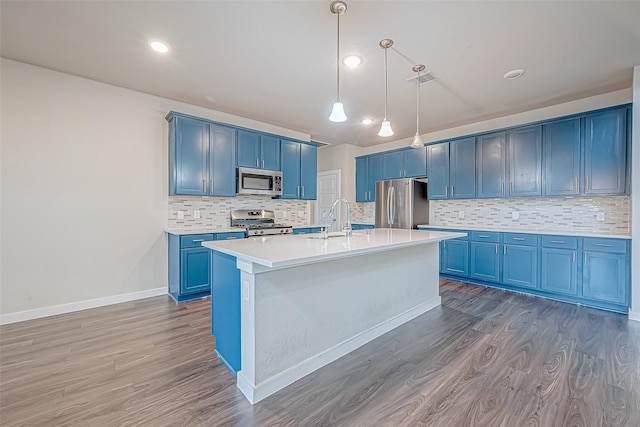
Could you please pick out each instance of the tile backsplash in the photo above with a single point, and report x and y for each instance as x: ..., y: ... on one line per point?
x: 571, y: 214
x: 214, y: 211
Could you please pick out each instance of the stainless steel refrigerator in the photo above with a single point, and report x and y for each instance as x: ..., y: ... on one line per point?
x: 402, y: 203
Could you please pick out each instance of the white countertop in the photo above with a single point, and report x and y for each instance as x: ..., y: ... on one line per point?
x: 295, y: 250
x: 183, y: 232
x: 533, y: 231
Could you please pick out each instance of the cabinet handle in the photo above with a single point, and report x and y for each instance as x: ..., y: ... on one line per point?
x: 211, y: 185
x: 586, y: 183
x: 197, y: 240
x: 204, y: 185
x: 231, y: 238
x: 444, y: 244
x: 575, y: 184
x: 298, y: 191
x: 503, y: 188
x: 452, y: 193
x: 446, y: 191
x: 574, y: 256
x: 604, y: 245
x: 496, y: 249
x: 303, y: 191
x: 518, y: 238
x: 510, y: 187
x: 263, y: 164
x: 505, y: 250
x: 560, y: 242
x: 482, y: 236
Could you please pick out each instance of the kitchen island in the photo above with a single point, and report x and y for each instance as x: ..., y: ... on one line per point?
x: 284, y: 306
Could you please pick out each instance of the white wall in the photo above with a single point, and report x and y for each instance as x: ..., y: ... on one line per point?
x: 635, y: 206
x: 84, y: 187
x: 341, y: 157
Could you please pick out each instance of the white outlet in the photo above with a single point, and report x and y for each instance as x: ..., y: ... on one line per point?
x: 461, y: 214
x: 196, y: 214
x: 245, y: 291
x: 300, y: 214
x: 285, y: 214
x: 515, y: 215
x: 600, y: 216
x: 180, y: 214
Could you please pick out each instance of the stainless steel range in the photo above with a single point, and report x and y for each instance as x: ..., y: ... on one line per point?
x: 258, y: 222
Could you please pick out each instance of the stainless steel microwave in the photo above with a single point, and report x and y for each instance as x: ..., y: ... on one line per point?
x: 259, y: 181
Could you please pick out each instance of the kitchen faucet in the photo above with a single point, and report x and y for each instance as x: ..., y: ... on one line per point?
x: 332, y: 213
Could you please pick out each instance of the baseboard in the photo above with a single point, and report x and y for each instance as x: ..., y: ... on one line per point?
x: 38, y: 313
x: 255, y: 393
x: 634, y: 315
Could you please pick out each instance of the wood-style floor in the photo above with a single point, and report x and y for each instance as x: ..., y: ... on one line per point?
x: 485, y: 357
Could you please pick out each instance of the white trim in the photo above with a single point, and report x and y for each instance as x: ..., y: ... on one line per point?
x: 255, y: 393
x: 38, y: 313
x: 316, y: 205
x: 634, y: 315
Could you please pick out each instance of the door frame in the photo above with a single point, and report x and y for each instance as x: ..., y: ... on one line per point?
x: 316, y: 208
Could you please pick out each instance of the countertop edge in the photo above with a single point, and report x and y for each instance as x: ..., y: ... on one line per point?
x: 530, y: 231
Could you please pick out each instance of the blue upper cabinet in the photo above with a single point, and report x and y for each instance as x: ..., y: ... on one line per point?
x: 188, y: 145
x: 368, y: 171
x: 490, y: 165
x: 374, y: 169
x: 562, y: 158
x: 524, y: 166
x: 462, y: 172
x: 222, y: 154
x: 438, y: 166
x: 605, y: 152
x: 258, y: 151
x: 406, y: 163
x: 299, y: 170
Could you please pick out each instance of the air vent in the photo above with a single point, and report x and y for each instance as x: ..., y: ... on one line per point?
x: 424, y: 78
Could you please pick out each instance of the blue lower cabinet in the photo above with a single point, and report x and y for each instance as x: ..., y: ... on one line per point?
x: 229, y: 236
x: 301, y: 231
x: 485, y: 261
x: 559, y: 271
x: 195, y: 270
x: 362, y: 226
x: 225, y: 309
x: 605, y: 277
x: 520, y: 266
x: 454, y: 257
x: 188, y: 266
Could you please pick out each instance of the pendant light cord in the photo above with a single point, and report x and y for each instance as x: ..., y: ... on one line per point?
x: 418, y: 106
x: 385, y: 83
x: 338, y: 60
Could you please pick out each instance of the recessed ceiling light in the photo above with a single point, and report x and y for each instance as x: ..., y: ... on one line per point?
x: 159, y: 46
x: 367, y: 121
x: 352, y: 61
x: 513, y: 74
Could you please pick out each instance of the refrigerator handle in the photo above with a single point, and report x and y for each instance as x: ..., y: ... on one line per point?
x: 393, y: 205
x: 389, y: 213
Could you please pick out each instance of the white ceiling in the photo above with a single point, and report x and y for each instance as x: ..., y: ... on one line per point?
x: 274, y: 61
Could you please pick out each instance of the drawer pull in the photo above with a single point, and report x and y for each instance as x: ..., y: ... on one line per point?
x: 574, y: 256
x: 606, y: 245
x: 496, y: 249
x: 482, y: 236
x: 231, y: 238
x: 518, y: 238
x: 560, y: 242
x: 197, y: 240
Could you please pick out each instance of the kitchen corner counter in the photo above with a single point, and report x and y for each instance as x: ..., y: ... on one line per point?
x: 186, y: 232
x: 276, y: 252
x: 541, y: 231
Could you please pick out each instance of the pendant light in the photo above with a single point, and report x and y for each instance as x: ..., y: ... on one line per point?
x: 385, y: 128
x: 337, y: 112
x: 416, y: 142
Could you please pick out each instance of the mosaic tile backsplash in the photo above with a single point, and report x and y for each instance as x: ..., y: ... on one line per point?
x: 572, y: 214
x: 214, y: 211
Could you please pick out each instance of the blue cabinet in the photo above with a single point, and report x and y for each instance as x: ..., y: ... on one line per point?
x: 524, y: 165
x: 605, y: 152
x: 256, y: 150
x: 485, y: 256
x: 195, y: 270
x: 520, y: 260
x: 605, y: 270
x: 362, y: 226
x: 490, y: 165
x: 559, y: 265
x: 562, y: 158
x: 405, y: 163
x: 454, y: 257
x: 225, y: 309
x: 438, y: 167
x: 462, y: 168
x: 202, y: 157
x: 368, y: 171
x: 299, y: 170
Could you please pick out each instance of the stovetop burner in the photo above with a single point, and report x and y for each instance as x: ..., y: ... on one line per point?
x: 258, y: 222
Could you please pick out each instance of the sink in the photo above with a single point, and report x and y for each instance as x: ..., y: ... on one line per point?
x: 331, y: 235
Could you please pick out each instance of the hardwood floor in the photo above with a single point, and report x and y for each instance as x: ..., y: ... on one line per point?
x: 485, y: 357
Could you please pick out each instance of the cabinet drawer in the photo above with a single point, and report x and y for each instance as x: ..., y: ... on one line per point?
x: 300, y: 231
x: 229, y: 236
x: 483, y: 236
x: 520, y: 239
x: 315, y: 230
x: 194, y: 240
x: 605, y: 245
x: 560, y: 242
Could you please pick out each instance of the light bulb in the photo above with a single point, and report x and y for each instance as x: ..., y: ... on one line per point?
x: 385, y: 129
x: 417, y: 141
x: 337, y: 113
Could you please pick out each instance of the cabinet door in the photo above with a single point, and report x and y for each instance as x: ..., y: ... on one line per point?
x: 248, y: 149
x: 455, y: 257
x: 462, y: 175
x: 194, y: 270
x: 362, y: 179
x: 561, y: 158
x: 485, y: 261
x: 270, y: 153
x: 392, y: 165
x: 524, y: 170
x: 222, y: 155
x: 520, y: 266
x: 191, y: 150
x: 308, y: 172
x: 375, y: 174
x: 415, y: 162
x: 226, y: 300
x: 604, y: 277
x: 438, y: 171
x: 559, y: 272
x: 605, y: 152
x: 490, y: 165
x: 290, y: 163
